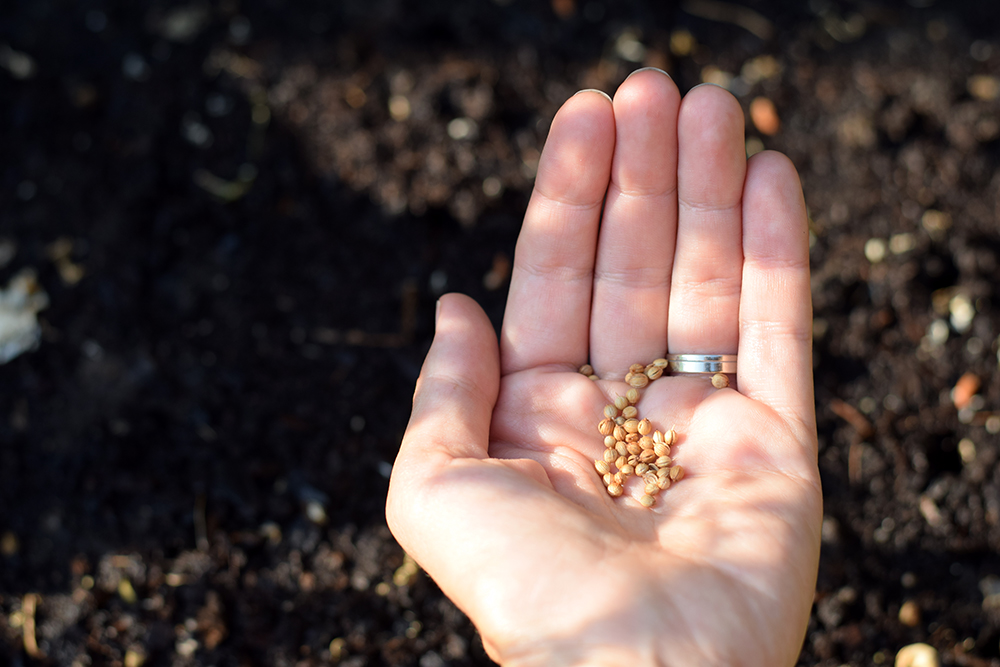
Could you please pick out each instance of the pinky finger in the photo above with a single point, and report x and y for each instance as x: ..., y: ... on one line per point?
x: 775, y: 351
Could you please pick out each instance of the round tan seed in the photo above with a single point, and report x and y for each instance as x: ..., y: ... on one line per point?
x: 610, y: 411
x: 621, y: 448
x: 632, y: 395
x: 663, y: 483
x: 609, y: 441
x: 605, y: 426
x: 670, y: 437
x: 662, y: 472
x: 619, y: 420
x: 647, y: 500
x: 608, y: 478
x: 632, y: 425
x: 638, y: 381
x: 619, y: 432
x: 651, y: 489
x: 620, y: 461
x: 654, y: 373
x: 661, y: 449
x: 641, y: 469
x: 720, y: 381
x: 645, y: 427
x: 621, y: 402
x: 663, y: 462
x: 633, y: 448
x: 602, y: 466
x: 661, y: 363
x: 632, y: 437
x: 630, y: 412
x: 627, y: 469
x: 629, y: 376
x: 586, y: 369
x: 647, y: 456
x: 615, y: 489
x: 650, y: 477
x: 609, y: 455
x: 676, y: 473
x: 657, y: 436
x: 593, y: 377
x: 620, y: 479
x: 632, y: 460
x: 646, y: 442
x: 636, y: 368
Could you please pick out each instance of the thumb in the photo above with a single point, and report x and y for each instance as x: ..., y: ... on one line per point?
x: 452, y: 405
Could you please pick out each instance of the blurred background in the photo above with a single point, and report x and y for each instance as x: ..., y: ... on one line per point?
x: 223, y: 228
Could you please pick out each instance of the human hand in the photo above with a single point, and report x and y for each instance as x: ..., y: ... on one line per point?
x: 648, y: 231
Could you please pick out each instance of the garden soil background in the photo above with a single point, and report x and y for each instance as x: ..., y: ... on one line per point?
x: 242, y: 214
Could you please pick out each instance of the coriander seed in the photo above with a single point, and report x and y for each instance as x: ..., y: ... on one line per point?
x: 632, y: 395
x: 630, y: 412
x: 615, y: 489
x: 644, y: 427
x: 621, y: 402
x: 586, y: 369
x: 647, y: 500
x: 605, y: 426
x: 720, y: 381
x: 602, y: 466
x: 638, y: 381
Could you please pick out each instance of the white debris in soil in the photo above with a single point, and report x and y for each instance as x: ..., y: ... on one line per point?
x: 19, y: 305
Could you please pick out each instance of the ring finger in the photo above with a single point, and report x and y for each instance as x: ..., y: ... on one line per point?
x: 708, y: 261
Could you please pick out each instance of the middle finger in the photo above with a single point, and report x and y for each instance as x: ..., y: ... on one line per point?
x: 636, y: 245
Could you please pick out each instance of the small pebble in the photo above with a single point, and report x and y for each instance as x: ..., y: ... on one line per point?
x: 909, y: 614
x: 917, y: 655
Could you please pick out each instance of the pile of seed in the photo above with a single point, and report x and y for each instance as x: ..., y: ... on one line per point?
x: 632, y: 446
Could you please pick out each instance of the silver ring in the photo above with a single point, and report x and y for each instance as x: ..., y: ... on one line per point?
x: 698, y: 364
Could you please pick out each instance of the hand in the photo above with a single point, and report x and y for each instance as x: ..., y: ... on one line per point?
x: 648, y: 231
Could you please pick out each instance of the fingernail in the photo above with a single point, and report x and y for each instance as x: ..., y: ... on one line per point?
x: 646, y: 69
x: 592, y: 90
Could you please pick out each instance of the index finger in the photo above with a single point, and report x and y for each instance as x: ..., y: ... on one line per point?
x: 548, y: 307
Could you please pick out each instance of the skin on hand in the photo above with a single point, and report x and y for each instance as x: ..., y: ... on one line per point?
x: 648, y: 232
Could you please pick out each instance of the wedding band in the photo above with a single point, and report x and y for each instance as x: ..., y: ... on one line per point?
x: 697, y: 364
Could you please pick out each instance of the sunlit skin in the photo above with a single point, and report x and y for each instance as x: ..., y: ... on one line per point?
x: 648, y: 232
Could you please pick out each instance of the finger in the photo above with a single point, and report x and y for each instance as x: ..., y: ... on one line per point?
x: 548, y: 308
x: 775, y: 353
x: 456, y: 391
x: 632, y: 276
x: 708, y: 264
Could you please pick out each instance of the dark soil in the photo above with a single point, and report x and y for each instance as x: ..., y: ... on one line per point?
x: 265, y: 201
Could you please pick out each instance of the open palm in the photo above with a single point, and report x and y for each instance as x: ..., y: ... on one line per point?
x: 648, y: 231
